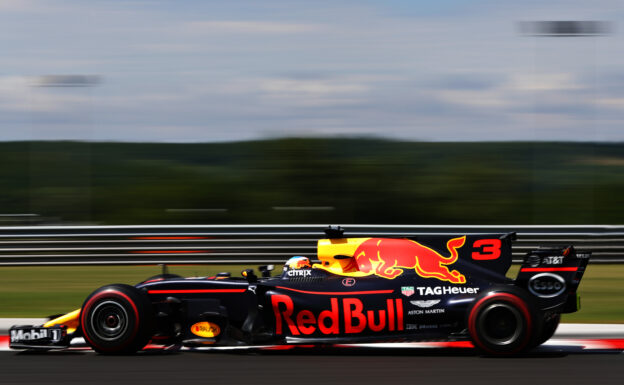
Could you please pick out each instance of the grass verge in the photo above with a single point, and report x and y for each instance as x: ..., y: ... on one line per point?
x: 43, y: 291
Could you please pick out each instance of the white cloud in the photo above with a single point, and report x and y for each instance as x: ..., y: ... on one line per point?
x: 249, y: 27
x: 22, y: 94
x: 552, y: 81
x: 18, y: 5
x: 312, y: 92
x: 615, y: 103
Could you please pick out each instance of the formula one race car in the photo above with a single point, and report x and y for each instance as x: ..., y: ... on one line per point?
x: 429, y: 287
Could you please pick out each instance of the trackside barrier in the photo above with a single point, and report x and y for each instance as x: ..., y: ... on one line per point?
x: 256, y: 244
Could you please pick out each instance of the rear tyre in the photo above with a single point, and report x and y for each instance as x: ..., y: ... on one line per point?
x: 117, y: 319
x: 502, y: 323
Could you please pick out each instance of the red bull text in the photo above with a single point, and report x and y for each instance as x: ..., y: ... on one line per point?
x: 345, y: 315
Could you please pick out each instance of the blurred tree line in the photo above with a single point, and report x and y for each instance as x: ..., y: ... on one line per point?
x: 325, y: 180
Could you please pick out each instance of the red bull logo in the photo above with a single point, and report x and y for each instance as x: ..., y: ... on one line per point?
x: 345, y: 315
x: 388, y: 257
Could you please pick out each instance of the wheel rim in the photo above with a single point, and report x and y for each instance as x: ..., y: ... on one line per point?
x: 109, y: 320
x: 501, y: 324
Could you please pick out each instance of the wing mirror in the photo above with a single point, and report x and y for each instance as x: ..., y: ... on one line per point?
x: 266, y: 270
x: 249, y: 274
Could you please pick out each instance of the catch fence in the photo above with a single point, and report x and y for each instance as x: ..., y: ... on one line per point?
x: 256, y: 244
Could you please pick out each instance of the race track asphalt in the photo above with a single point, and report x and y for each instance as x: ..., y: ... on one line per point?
x: 550, y: 365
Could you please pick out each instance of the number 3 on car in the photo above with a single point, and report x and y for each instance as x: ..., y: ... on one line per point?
x: 486, y: 249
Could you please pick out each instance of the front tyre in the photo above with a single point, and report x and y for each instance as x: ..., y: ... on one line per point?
x: 117, y: 319
x: 501, y: 323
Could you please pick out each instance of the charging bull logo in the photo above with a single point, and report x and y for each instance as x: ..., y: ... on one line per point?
x: 388, y: 257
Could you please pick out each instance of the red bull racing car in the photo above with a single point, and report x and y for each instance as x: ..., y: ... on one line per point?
x: 430, y: 287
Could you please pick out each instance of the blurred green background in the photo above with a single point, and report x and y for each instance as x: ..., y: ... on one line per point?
x: 323, y: 181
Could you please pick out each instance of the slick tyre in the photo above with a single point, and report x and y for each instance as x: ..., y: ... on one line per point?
x: 502, y: 323
x: 117, y: 319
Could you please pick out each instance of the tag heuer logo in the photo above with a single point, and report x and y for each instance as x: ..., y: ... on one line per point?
x: 407, y: 290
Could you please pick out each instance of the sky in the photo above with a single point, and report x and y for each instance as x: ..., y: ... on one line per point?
x: 212, y: 71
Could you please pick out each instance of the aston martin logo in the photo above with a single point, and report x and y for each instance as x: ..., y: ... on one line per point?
x: 425, y: 303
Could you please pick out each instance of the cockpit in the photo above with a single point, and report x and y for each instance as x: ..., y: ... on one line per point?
x: 336, y: 256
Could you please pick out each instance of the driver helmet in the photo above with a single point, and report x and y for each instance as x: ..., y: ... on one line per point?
x: 298, y: 262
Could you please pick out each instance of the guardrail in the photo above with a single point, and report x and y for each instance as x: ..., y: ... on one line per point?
x: 255, y: 244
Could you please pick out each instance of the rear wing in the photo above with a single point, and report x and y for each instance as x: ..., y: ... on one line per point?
x: 553, y: 275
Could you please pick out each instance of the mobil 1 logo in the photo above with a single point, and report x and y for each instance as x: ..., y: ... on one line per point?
x: 36, y: 334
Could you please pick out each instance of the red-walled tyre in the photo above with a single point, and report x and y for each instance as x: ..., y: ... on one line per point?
x: 117, y: 319
x: 502, y: 322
